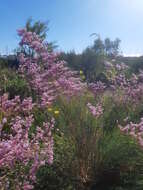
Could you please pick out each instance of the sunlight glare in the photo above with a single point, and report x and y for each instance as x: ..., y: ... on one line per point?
x: 133, y: 5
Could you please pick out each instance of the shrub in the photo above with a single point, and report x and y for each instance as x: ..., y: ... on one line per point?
x: 13, y: 84
x: 86, y: 156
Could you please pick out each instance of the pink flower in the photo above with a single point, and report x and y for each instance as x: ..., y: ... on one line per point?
x: 4, y: 120
x: 135, y: 130
x: 27, y: 186
x: 96, y: 111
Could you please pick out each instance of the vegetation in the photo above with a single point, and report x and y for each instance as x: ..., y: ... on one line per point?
x: 70, y: 126
x: 91, y: 60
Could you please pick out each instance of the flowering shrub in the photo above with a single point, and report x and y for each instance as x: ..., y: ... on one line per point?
x: 46, y: 74
x: 22, y: 149
x: 22, y: 152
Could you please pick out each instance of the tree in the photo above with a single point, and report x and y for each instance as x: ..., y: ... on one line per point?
x: 98, y: 46
x: 91, y: 60
x: 116, y: 45
x: 41, y: 29
x: 112, y: 48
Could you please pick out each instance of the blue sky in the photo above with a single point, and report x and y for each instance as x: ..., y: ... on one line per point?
x: 72, y: 22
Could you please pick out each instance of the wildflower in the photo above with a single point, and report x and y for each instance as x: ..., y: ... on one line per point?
x: 56, y: 112
x: 134, y: 130
x: 95, y: 111
x: 83, y: 77
x: 4, y: 120
x: 49, y: 109
x: 27, y: 186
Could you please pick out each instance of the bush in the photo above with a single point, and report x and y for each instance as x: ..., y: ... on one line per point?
x: 87, y: 156
x: 13, y: 84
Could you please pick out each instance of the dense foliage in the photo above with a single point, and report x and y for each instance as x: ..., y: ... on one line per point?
x: 91, y: 60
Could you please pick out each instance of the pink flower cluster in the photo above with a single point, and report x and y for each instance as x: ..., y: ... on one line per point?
x: 22, y: 152
x: 95, y: 111
x: 134, y: 130
x: 15, y: 106
x: 97, y: 88
x: 120, y: 81
x: 48, y: 76
x: 121, y: 67
x: 132, y: 89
